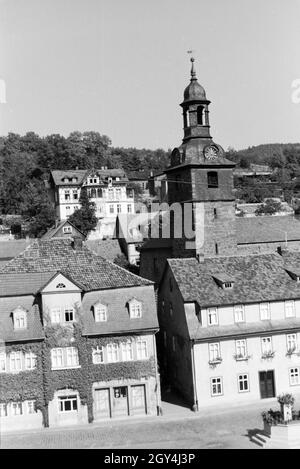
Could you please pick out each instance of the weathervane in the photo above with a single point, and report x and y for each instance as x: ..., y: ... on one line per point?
x: 193, y: 71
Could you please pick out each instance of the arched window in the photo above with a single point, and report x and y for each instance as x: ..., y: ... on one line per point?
x: 212, y: 179
x: 99, y: 192
x: 200, y: 115
x: 93, y: 193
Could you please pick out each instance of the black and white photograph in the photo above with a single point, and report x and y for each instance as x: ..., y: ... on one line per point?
x: 149, y: 227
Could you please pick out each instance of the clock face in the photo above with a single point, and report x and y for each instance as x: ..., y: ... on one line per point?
x: 211, y: 152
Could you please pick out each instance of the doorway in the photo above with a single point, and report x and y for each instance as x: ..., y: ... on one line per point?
x: 267, y: 384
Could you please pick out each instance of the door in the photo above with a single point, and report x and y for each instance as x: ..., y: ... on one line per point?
x: 120, y: 401
x: 101, y: 404
x: 138, y: 399
x: 267, y: 384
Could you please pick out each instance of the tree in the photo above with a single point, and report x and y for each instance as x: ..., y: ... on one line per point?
x: 269, y: 207
x: 37, y: 209
x: 84, y: 218
x: 121, y: 261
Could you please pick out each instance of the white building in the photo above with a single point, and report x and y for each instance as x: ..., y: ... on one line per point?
x: 106, y: 187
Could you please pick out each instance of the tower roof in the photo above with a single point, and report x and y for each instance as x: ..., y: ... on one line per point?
x: 194, y: 91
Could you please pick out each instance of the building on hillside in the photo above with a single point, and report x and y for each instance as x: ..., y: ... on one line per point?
x: 77, y: 339
x: 158, y: 186
x: 64, y: 229
x: 254, y: 171
x: 229, y: 319
x: 106, y: 187
x: 140, y: 178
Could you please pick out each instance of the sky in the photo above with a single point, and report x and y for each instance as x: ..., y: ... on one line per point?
x: 120, y: 67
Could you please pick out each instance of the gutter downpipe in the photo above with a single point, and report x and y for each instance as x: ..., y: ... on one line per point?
x: 158, y: 401
x: 195, y: 405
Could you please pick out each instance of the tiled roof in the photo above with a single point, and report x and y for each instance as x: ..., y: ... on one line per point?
x: 13, y: 247
x: 107, y: 248
x: 59, y: 175
x: 12, y: 284
x: 80, y: 174
x: 267, y: 229
x: 138, y: 175
x: 118, y: 320
x: 52, y: 231
x: 256, y: 278
x: 82, y: 265
x: 34, y: 328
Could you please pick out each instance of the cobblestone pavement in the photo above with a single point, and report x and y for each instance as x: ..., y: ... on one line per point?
x: 213, y: 428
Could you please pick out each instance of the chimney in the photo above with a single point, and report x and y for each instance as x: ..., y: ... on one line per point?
x: 77, y: 243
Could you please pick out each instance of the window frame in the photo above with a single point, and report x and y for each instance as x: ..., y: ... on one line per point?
x: 261, y: 305
x: 263, y: 341
x: 214, y: 352
x: 112, y: 350
x: 292, y: 303
x: 139, y: 349
x: 134, y: 306
x: 127, y: 347
x: 209, y: 313
x: 237, y: 309
x: 242, y: 381
x: 63, y: 399
x: 100, y: 312
x: 241, y: 347
x: 96, y: 352
x: 291, y: 377
x: 216, y: 384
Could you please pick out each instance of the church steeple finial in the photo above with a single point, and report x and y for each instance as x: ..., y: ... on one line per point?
x: 193, y: 71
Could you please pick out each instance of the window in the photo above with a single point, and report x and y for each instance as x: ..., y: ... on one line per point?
x: 216, y: 386
x: 68, y: 209
x: 227, y: 285
x: 3, y: 410
x: 60, y: 285
x: 266, y: 345
x: 294, y: 376
x: 239, y: 314
x: 66, y: 357
x: 118, y: 193
x: 98, y: 355
x: 69, y: 315
x: 142, y: 351
x: 67, y: 195
x: 215, y: 213
x: 55, y: 315
x: 67, y: 403
x: 15, y: 361
x: 16, y: 408
x: 127, y: 351
x: 100, y: 313
x: 112, y: 353
x: 200, y: 115
x: 291, y: 341
x: 289, y: 307
x: 212, y: 179
x: 243, y: 383
x: 20, y: 319
x: 135, y: 309
x: 2, y: 362
x: 31, y: 407
x: 212, y: 316
x: 129, y: 208
x: 30, y: 361
x: 214, y: 352
x: 264, y: 309
x: 75, y: 194
x: 241, y: 349
x: 111, y: 209
x: 67, y: 229
x: 72, y: 356
x: 119, y: 208
x: 171, y: 309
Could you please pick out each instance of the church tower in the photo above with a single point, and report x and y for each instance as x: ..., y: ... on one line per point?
x: 200, y: 178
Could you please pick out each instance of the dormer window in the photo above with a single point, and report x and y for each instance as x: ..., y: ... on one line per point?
x: 135, y: 309
x: 224, y: 280
x: 60, y: 285
x: 294, y: 273
x: 100, y: 312
x: 74, y: 179
x: 20, y: 318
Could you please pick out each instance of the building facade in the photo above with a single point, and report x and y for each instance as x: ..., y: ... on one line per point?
x: 78, y: 339
x: 107, y: 188
x: 229, y: 317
